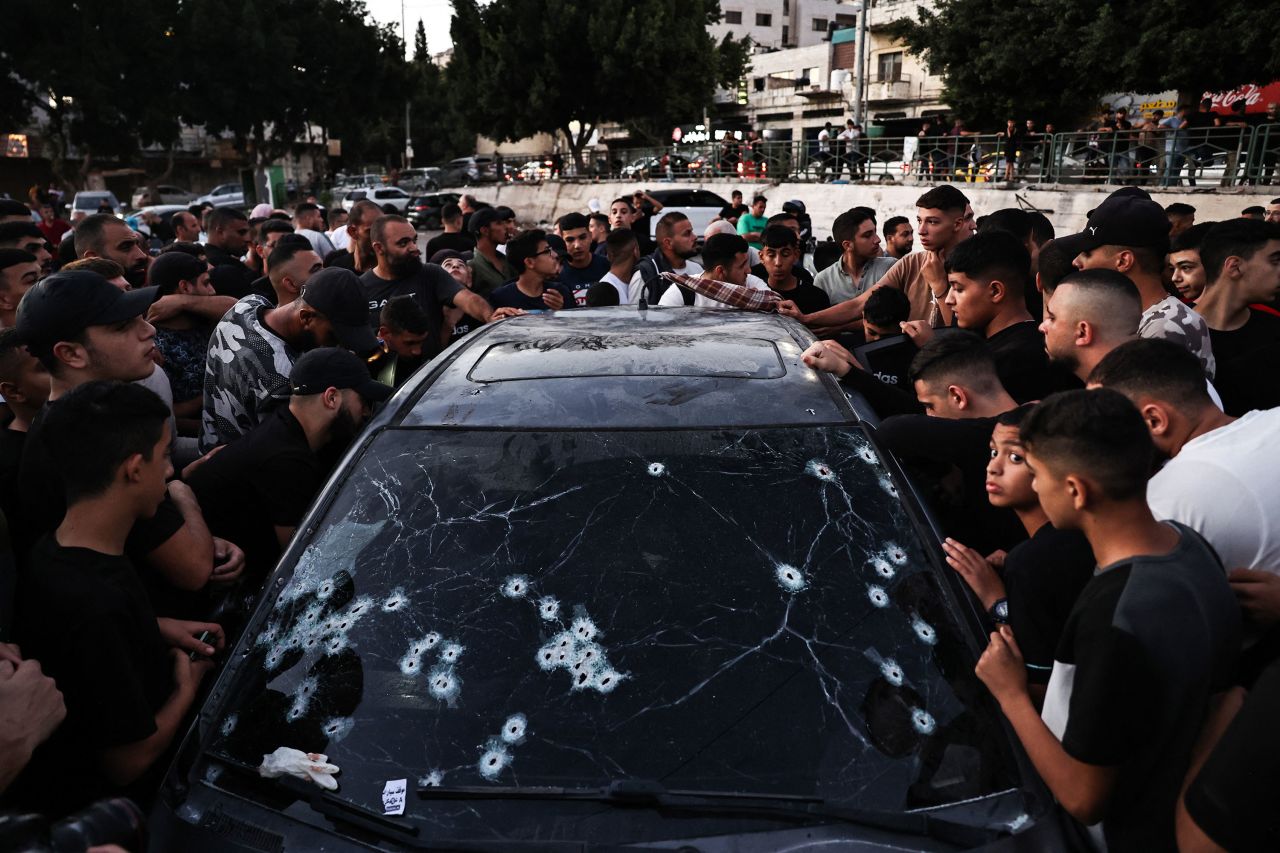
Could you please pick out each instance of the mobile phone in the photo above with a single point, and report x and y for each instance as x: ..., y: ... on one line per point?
x: 203, y: 637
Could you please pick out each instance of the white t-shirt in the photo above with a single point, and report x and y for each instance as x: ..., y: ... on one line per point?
x: 339, y: 237
x: 1225, y: 485
x: 623, y: 287
x: 824, y: 141
x: 637, y: 280
x: 319, y: 241
x: 674, y: 296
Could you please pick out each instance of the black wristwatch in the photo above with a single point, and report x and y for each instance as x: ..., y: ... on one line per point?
x: 999, y: 611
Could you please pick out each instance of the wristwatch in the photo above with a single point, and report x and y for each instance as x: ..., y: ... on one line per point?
x: 999, y: 611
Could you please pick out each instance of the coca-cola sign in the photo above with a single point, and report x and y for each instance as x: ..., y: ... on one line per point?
x: 1254, y: 96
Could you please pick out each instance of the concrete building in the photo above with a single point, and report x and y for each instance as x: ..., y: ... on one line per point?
x: 782, y: 24
x: 790, y: 94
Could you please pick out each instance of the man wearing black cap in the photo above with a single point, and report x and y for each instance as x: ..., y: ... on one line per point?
x: 257, y: 489
x: 83, y: 328
x: 1130, y: 233
x: 489, y: 267
x: 254, y: 347
x: 400, y: 272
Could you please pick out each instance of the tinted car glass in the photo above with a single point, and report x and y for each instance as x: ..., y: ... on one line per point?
x: 709, y: 356
x: 722, y: 610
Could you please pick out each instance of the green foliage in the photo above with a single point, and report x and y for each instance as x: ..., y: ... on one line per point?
x: 1053, y: 59
x: 420, y: 53
x: 522, y: 67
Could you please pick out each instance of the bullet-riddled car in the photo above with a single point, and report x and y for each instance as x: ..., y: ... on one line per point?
x: 613, y: 579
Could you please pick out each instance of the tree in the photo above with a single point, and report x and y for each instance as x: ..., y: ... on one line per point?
x: 1053, y: 59
x: 86, y: 73
x: 522, y: 67
x: 420, y: 44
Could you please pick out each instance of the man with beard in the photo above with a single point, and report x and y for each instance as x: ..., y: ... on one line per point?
x: 257, y: 490
x: 358, y: 254
x: 400, y: 272
x: 1088, y: 314
x: 676, y: 245
x: 105, y: 236
x: 254, y: 346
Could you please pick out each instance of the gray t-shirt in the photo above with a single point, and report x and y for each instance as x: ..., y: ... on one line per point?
x: 841, y: 287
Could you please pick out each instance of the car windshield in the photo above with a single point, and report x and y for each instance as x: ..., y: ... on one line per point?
x: 720, y: 610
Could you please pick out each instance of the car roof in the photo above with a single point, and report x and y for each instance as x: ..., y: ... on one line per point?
x: 691, y: 197
x: 623, y: 368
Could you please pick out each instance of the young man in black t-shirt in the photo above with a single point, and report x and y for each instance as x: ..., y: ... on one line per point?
x: 1152, y: 637
x: 987, y: 276
x: 128, y: 679
x: 402, y: 333
x: 1241, y: 259
x: 778, y: 257
x: 1033, y: 587
x: 581, y: 268
x: 257, y: 489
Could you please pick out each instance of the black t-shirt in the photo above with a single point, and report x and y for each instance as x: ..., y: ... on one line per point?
x: 1233, y: 797
x: 1043, y: 577
x: 42, y: 504
x: 12, y: 443
x: 1021, y: 362
x: 802, y: 275
x: 229, y: 276
x: 85, y: 616
x: 807, y: 297
x: 262, y: 287
x: 1149, y: 641
x: 509, y: 295
x: 341, y: 258
x: 580, y: 280
x: 459, y: 241
x: 1247, y: 358
x: 948, y: 458
x: 265, y: 478
x: 431, y: 286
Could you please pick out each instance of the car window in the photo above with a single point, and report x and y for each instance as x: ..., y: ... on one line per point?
x: 727, y: 610
x: 704, y: 198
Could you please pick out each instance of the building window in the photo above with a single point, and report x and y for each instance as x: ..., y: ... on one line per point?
x: 819, y: 25
x: 844, y: 22
x: 890, y: 65
x: 764, y: 19
x: 733, y: 17
x: 758, y: 84
x: 786, y: 35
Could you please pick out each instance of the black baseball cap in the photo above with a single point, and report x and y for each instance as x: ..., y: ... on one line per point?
x: 483, y: 218
x: 331, y: 367
x: 338, y: 295
x: 1121, y: 220
x: 63, y: 305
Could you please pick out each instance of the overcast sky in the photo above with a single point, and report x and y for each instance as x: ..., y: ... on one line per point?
x: 435, y: 15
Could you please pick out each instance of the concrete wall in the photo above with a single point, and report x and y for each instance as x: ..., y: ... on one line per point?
x: 1067, y: 207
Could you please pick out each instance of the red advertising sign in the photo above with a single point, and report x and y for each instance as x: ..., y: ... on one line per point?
x: 1255, y: 98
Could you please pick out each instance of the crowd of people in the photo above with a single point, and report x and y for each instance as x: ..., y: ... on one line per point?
x: 1090, y: 418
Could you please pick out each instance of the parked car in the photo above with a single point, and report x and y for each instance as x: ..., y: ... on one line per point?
x: 535, y: 171
x: 424, y: 210
x: 224, y: 195
x: 669, y: 165
x: 90, y: 200
x: 420, y: 180
x: 160, y: 194
x: 465, y: 171
x: 539, y: 606
x: 701, y: 206
x: 382, y: 196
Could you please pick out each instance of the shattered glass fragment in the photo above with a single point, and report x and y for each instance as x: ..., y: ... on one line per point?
x: 790, y: 578
x: 513, y: 730
x: 878, y: 596
x: 395, y: 601
x: 821, y: 470
x: 336, y: 643
x: 584, y: 629
x: 892, y: 672
x: 434, y: 779
x: 451, y: 652
x: 883, y: 568
x: 888, y: 486
x: 494, y: 760
x: 657, y: 469
x: 516, y: 586
x: 548, y: 607
x: 923, y: 721
x: 229, y: 724
x: 444, y: 684
x: 606, y: 679
x: 896, y: 554
x: 336, y: 728
x: 924, y: 630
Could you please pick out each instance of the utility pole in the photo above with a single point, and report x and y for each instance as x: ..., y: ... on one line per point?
x: 861, y: 8
x: 408, y: 144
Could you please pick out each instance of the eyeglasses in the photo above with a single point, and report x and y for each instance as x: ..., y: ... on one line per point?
x: 546, y: 251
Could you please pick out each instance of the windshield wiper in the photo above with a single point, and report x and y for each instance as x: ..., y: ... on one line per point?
x: 637, y: 793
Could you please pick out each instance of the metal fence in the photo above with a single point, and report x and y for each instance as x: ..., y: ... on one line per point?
x: 1220, y: 156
